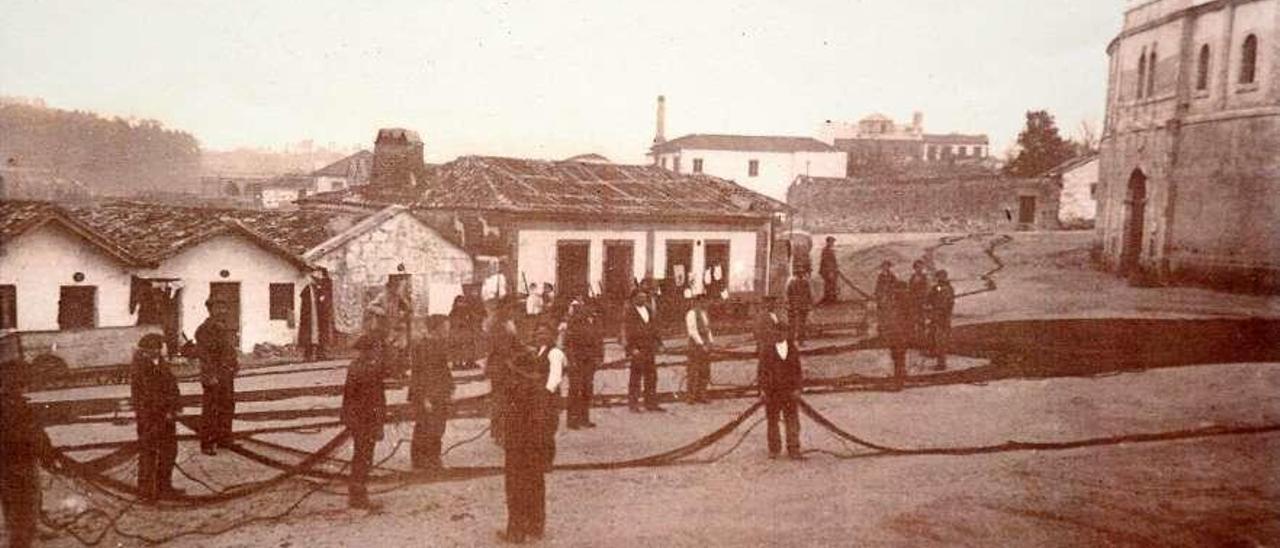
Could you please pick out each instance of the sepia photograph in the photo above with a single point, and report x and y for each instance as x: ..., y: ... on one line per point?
x: 917, y: 273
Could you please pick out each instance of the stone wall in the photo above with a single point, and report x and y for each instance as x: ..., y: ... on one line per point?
x: 937, y: 205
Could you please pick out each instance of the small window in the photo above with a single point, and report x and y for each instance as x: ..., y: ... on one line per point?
x: 1249, y: 60
x: 697, y: 165
x: 281, y: 305
x: 664, y: 162
x: 8, y: 307
x: 676, y: 164
x: 753, y: 168
x: 1142, y: 72
x: 964, y: 151
x: 1202, y: 69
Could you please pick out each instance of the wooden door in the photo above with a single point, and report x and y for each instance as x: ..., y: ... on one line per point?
x: 679, y: 261
x: 572, y: 261
x: 619, y: 275
x: 1026, y: 210
x: 78, y: 307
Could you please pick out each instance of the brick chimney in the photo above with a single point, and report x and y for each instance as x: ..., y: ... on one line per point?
x: 397, y: 158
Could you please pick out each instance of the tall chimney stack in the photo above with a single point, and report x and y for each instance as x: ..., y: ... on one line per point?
x: 917, y: 121
x: 660, y: 136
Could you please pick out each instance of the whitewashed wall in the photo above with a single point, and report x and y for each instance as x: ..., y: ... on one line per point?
x: 536, y: 256
x: 42, y: 260
x: 250, y: 265
x: 777, y: 169
x: 742, y: 254
x: 1077, y: 202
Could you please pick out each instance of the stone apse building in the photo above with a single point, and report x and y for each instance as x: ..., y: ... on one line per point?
x: 1190, y: 152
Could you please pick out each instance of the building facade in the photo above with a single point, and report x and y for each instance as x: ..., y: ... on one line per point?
x: 1078, y: 178
x: 878, y: 139
x: 1189, y: 171
x: 763, y: 164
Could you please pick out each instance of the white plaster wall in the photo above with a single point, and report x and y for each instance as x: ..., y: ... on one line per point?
x: 536, y: 255
x: 742, y: 254
x: 42, y: 260
x: 361, y: 266
x: 777, y: 169
x: 273, y: 198
x: 1076, y: 203
x: 250, y: 265
x: 326, y: 183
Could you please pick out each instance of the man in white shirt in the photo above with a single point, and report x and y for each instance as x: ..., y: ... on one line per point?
x: 698, y: 327
x: 533, y: 303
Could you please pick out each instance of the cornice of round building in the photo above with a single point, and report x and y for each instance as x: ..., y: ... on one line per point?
x: 1167, y: 18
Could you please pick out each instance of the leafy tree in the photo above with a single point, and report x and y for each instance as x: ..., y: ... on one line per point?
x: 1040, y: 147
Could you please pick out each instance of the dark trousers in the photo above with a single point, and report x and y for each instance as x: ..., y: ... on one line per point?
x: 20, y: 499
x: 497, y: 413
x: 217, y: 408
x: 428, y: 431
x: 582, y: 378
x: 898, y: 353
x: 799, y: 320
x: 363, y: 442
x: 157, y: 452
x: 698, y: 374
x: 939, y: 334
x: 550, y: 424
x: 644, y: 376
x: 526, y: 492
x: 830, y: 288
x: 782, y: 406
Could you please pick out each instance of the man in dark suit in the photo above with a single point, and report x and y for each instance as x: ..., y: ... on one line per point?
x: 939, y: 304
x: 584, y: 345
x: 917, y: 291
x: 896, y: 328
x: 219, y: 361
x: 799, y: 302
x: 430, y: 394
x: 20, y: 448
x: 780, y: 378
x: 886, y: 280
x: 156, y: 403
x: 641, y: 340
x: 364, y: 410
x: 532, y: 388
x: 829, y: 270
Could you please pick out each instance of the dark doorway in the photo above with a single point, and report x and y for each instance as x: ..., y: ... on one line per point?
x: 679, y: 261
x: 572, y: 267
x: 1134, y: 221
x: 228, y: 292
x: 78, y: 307
x: 1026, y: 210
x: 619, y: 257
x: 717, y: 264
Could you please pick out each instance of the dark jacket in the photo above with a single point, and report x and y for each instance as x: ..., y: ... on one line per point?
x: 584, y: 338
x: 154, y: 391
x: 941, y: 301
x: 884, y: 284
x: 799, y: 295
x: 364, y: 401
x: 827, y: 265
x: 896, y: 313
x: 527, y: 402
x: 639, y: 335
x: 917, y: 288
x: 216, y: 347
x: 777, y: 375
x: 768, y: 331
x: 431, y: 379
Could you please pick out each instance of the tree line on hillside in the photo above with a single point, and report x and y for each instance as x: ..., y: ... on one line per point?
x: 110, y: 156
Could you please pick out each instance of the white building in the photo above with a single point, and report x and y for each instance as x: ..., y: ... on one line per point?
x: 765, y: 164
x: 1078, y: 178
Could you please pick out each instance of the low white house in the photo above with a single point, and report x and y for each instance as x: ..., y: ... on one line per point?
x: 765, y: 164
x: 1078, y: 178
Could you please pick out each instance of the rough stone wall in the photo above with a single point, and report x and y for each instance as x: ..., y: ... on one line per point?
x: 361, y: 267
x: 946, y: 205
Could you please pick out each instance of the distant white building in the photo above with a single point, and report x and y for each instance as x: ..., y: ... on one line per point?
x: 1078, y: 178
x: 765, y: 164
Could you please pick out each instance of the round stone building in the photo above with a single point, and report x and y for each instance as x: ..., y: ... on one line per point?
x: 1189, y: 185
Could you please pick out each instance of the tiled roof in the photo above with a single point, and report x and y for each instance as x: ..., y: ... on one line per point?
x: 17, y: 217
x: 355, y: 163
x: 747, y: 143
x: 537, y: 186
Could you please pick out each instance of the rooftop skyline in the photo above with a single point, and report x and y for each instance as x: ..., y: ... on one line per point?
x: 554, y: 79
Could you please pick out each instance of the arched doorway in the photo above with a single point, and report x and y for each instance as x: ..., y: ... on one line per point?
x: 1134, y: 221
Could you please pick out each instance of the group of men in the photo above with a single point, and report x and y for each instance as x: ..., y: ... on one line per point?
x: 915, y: 313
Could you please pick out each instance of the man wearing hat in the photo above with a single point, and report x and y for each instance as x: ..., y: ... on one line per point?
x: 531, y: 395
x: 219, y: 361
x: 430, y: 393
x: 364, y: 410
x: 504, y: 343
x: 829, y: 270
x: 939, y: 303
x: 799, y: 303
x: 584, y: 345
x: 780, y: 378
x: 156, y: 403
x: 698, y: 327
x: 886, y: 281
x: 641, y: 341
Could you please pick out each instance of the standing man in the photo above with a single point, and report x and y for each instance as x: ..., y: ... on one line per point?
x: 430, y: 394
x: 780, y: 379
x: 896, y: 328
x: 584, y: 344
x: 829, y: 269
x: 886, y: 281
x: 940, y: 303
x: 530, y: 438
x: 698, y: 326
x: 534, y: 303
x: 364, y: 410
x: 19, y: 452
x: 503, y: 341
x: 799, y: 302
x: 641, y: 340
x: 219, y: 361
x: 156, y: 404
x: 917, y: 292
x: 315, y: 320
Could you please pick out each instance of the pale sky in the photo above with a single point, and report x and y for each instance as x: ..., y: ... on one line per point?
x: 550, y: 79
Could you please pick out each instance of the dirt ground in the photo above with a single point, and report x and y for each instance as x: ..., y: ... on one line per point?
x: 1220, y: 487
